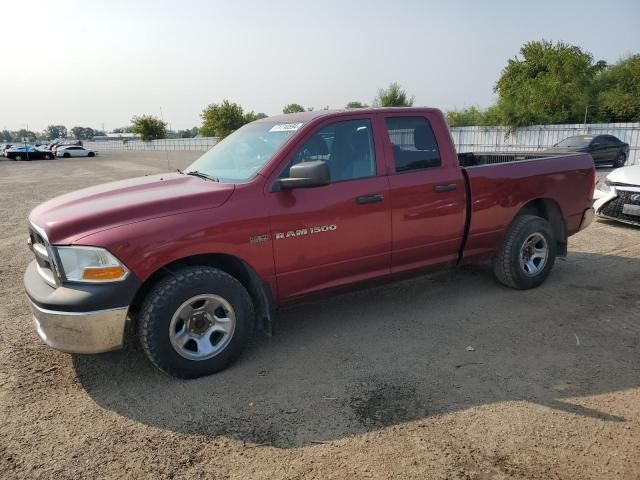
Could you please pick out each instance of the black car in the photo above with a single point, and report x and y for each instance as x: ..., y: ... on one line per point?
x: 603, y: 148
x: 28, y: 153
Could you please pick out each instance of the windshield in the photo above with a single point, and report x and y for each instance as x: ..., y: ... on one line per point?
x: 575, y: 142
x: 242, y: 154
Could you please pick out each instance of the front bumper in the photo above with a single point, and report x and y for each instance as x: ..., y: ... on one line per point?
x: 611, y: 204
x: 80, y: 332
x: 80, y: 318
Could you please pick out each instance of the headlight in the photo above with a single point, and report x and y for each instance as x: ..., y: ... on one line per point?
x: 605, y: 186
x: 90, y: 264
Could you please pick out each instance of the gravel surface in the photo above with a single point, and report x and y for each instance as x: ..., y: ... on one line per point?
x: 374, y: 384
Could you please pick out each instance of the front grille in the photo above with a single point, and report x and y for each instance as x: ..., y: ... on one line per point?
x: 613, y: 209
x: 39, y: 245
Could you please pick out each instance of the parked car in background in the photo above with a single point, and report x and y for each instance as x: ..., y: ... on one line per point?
x: 28, y: 153
x: 618, y: 196
x: 4, y: 148
x: 603, y: 148
x: 74, y: 151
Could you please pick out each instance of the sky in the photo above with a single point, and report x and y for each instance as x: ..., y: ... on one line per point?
x: 97, y: 64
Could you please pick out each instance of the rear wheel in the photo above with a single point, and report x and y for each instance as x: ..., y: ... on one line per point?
x: 66, y: 155
x: 48, y: 156
x: 91, y: 154
x: 195, y: 322
x: 620, y: 160
x: 527, y: 254
x: 18, y: 157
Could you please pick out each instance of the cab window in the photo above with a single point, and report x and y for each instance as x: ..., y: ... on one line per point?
x: 413, y: 142
x: 346, y: 146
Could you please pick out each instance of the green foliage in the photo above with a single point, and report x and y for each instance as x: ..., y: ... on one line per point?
x: 188, y: 133
x: 55, y: 131
x: 148, y: 127
x: 465, y: 117
x: 23, y: 133
x: 221, y: 119
x: 122, y: 130
x: 252, y: 116
x: 293, y: 108
x: 619, y: 91
x: 83, y: 133
x: 356, y: 105
x: 6, y: 136
x: 393, y: 96
x: 552, y: 83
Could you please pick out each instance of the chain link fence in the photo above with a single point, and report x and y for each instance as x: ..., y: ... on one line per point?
x: 539, y: 137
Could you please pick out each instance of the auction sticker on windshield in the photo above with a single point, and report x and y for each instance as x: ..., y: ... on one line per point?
x: 286, y: 127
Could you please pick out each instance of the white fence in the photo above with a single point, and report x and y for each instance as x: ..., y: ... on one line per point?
x: 466, y: 139
x: 539, y: 137
x: 201, y: 144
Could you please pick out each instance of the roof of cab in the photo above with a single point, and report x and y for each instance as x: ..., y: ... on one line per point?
x: 308, y: 116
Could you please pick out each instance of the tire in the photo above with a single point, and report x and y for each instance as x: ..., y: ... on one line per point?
x: 48, y: 157
x: 620, y: 160
x: 159, y: 318
x: 91, y: 154
x: 66, y: 155
x: 17, y: 158
x: 526, y: 234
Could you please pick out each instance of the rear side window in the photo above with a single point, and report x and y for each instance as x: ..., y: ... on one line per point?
x: 414, y: 144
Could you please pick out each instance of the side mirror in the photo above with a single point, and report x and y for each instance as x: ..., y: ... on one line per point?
x: 306, y: 175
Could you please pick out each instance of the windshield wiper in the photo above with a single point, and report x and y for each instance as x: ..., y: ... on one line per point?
x: 197, y: 173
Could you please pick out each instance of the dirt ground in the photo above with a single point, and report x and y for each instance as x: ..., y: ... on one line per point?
x: 374, y: 384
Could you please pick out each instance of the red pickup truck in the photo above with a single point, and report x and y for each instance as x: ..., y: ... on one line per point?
x: 283, y: 208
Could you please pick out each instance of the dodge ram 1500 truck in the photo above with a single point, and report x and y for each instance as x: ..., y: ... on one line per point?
x: 286, y: 207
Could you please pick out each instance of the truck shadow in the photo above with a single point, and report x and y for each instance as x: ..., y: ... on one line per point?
x: 402, y: 352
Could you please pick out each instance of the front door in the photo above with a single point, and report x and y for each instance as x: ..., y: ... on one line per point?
x: 327, y: 236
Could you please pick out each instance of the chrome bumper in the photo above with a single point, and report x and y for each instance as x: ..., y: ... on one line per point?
x: 86, y: 332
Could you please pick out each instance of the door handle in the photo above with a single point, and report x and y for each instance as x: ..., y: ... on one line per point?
x: 373, y: 198
x: 445, y: 188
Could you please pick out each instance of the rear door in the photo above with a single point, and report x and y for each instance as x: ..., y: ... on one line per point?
x: 427, y: 192
x: 340, y: 233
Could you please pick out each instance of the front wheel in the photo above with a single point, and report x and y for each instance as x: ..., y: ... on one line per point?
x: 620, y: 160
x: 195, y: 322
x: 527, y: 254
x: 48, y: 157
x: 66, y: 155
x: 91, y: 154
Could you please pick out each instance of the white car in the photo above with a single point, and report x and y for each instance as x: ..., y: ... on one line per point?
x: 74, y: 151
x: 618, y: 197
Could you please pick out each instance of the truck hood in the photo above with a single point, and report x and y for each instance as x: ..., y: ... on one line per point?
x: 68, y: 218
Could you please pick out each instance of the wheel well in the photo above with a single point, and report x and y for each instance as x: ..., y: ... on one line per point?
x: 551, y: 212
x: 260, y: 292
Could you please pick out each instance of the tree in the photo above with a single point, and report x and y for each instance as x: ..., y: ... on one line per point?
x: 122, y: 130
x: 293, y: 108
x: 356, y: 105
x: 221, y: 119
x: 6, y: 136
x: 83, y: 133
x: 55, y: 131
x: 552, y: 83
x: 149, y: 127
x: 23, y: 133
x: 393, y: 96
x: 252, y: 116
x: 619, y: 91
x: 466, y: 117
